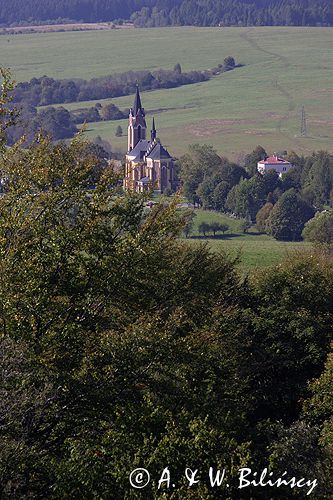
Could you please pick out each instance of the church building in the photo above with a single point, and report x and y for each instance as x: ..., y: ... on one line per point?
x: 148, y: 164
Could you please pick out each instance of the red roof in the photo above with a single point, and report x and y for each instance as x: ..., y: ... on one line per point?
x: 274, y: 160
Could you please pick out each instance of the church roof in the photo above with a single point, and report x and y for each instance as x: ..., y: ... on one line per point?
x: 139, y: 150
x: 158, y: 152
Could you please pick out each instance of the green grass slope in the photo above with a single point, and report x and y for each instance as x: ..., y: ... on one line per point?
x: 260, y: 103
x: 255, y: 250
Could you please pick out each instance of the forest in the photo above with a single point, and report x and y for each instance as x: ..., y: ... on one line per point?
x: 58, y: 122
x: 172, y: 12
x: 122, y: 346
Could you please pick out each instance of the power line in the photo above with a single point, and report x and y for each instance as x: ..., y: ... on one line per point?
x: 303, y: 123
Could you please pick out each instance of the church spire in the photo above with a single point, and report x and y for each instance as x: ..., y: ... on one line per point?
x: 137, y: 103
x: 136, y: 122
x: 153, y: 131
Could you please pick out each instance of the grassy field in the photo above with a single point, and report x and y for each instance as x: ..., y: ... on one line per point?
x: 259, y: 103
x: 255, y: 250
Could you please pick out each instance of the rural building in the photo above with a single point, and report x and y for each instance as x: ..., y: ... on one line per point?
x: 280, y: 165
x: 148, y: 164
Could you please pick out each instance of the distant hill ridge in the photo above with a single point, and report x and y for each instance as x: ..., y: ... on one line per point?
x: 151, y: 13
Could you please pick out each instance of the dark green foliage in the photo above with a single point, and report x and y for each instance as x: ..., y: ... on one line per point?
x: 212, y: 227
x: 45, y: 90
x: 320, y: 228
x: 229, y: 62
x: 271, y: 181
x: 247, y: 197
x: 112, y: 112
x: 123, y: 347
x: 175, y: 12
x: 263, y: 216
x: 57, y: 122
x: 297, y: 450
x: 86, y: 115
x: 199, y: 163
x: 220, y: 194
x: 253, y: 158
x: 317, y: 178
x: 177, y: 68
x: 119, y: 131
x: 216, y: 227
x: 294, y: 324
x: 288, y: 217
x: 245, y: 225
x: 204, y: 228
x: 107, y: 313
x: 207, y: 178
x: 189, y: 221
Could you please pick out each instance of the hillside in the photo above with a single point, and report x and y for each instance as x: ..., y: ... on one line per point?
x: 260, y: 103
x: 172, y: 12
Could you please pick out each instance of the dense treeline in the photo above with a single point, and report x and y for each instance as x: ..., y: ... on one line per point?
x: 174, y: 12
x: 58, y: 122
x: 43, y: 91
x: 279, y: 206
x: 239, y: 13
x: 82, y: 10
x: 123, y: 347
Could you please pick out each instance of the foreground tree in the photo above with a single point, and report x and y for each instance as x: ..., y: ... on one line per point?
x: 319, y: 409
x: 296, y: 344
x: 103, y: 322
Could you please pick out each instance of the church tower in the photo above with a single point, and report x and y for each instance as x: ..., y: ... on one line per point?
x: 136, y: 122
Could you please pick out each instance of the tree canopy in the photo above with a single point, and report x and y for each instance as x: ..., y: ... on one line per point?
x: 173, y: 12
x: 122, y: 346
x: 320, y: 228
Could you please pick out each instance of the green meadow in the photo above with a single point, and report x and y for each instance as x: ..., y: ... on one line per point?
x: 259, y: 103
x: 254, y: 250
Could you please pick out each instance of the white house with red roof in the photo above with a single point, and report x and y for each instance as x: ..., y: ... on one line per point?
x: 280, y: 165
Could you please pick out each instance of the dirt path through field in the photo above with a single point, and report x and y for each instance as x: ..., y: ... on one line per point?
x: 291, y: 103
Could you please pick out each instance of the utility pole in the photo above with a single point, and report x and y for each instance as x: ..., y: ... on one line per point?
x: 303, y: 123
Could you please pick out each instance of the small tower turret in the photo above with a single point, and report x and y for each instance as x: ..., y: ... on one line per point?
x: 153, y: 131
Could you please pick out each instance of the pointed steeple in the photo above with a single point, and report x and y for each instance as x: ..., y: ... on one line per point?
x: 137, y: 103
x: 153, y: 131
x: 136, y: 122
